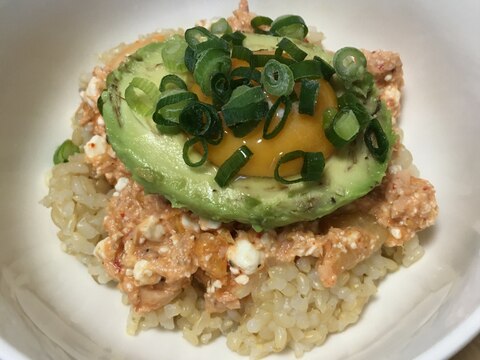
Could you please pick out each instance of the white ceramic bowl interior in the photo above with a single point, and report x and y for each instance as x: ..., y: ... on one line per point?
x: 50, y: 308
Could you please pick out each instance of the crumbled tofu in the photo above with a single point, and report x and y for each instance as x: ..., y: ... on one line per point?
x: 217, y: 284
x: 242, y: 279
x: 99, y: 250
x: 142, y: 274
x: 245, y: 256
x: 151, y: 229
x: 121, y: 183
x: 388, y: 77
x: 100, y: 120
x: 188, y: 224
x: 96, y: 146
x: 396, y: 233
x: 92, y: 88
x: 206, y: 224
x: 129, y: 272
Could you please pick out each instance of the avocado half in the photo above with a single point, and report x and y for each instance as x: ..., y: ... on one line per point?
x: 155, y: 160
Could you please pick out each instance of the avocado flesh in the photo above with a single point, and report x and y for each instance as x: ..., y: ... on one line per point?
x: 155, y: 160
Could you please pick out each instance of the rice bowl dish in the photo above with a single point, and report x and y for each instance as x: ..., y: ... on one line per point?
x: 285, y: 304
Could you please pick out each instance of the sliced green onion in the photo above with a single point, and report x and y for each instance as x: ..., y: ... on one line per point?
x: 221, y: 27
x: 210, y: 62
x: 173, y: 53
x: 328, y: 116
x: 201, y: 120
x: 190, y: 59
x: 186, y: 149
x: 350, y: 64
x: 308, y: 96
x: 376, y: 141
x: 292, y: 26
x: 349, y: 101
x: 307, y: 69
x: 64, y: 151
x: 342, y: 129
x: 327, y: 69
x: 236, y: 38
x: 271, y: 114
x: 260, y: 21
x: 363, y: 87
x: 169, y: 108
x: 171, y: 82
x: 246, y: 105
x: 174, y: 97
x: 312, y: 168
x: 197, y: 35
x: 291, y: 49
x: 277, y: 78
x: 215, y: 43
x: 230, y: 168
x: 141, y: 96
x: 247, y: 73
x: 242, y: 53
x: 221, y: 91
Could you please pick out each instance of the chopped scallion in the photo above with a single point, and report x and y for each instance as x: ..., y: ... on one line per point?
x: 272, y: 113
x: 350, y: 64
x: 186, y: 150
x: 376, y: 141
x: 308, y: 96
x: 141, y: 96
x: 64, y: 151
x: 312, y: 168
x: 230, y: 168
x: 277, y: 78
x: 342, y: 129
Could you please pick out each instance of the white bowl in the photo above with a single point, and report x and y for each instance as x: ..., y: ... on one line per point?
x: 51, y: 308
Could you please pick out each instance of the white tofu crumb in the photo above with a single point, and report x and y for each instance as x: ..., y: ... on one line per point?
x: 100, y: 120
x: 188, y: 224
x: 310, y: 250
x: 99, y: 250
x: 96, y: 146
x: 394, y: 169
x: 129, y: 272
x: 217, y: 284
x: 396, y: 233
x: 234, y: 270
x: 206, y: 224
x: 392, y: 93
x: 245, y: 256
x: 121, y: 184
x: 151, y: 229
x: 116, y: 193
x: 163, y: 249
x: 388, y: 77
x: 242, y: 279
x: 142, y: 274
x: 92, y: 88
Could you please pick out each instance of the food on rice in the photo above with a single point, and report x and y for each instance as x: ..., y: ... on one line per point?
x: 286, y: 287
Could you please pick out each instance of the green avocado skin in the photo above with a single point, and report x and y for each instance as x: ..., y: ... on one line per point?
x: 155, y: 160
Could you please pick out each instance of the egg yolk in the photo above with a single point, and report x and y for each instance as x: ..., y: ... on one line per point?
x: 300, y: 132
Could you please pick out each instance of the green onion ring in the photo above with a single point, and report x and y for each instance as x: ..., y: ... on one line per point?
x: 349, y: 101
x: 221, y: 91
x: 350, y: 64
x: 312, y: 168
x: 292, y: 26
x: 230, y: 168
x: 259, y: 21
x: 235, y: 38
x: 277, y: 78
x: 209, y: 63
x: 64, y: 151
x: 377, y: 141
x: 327, y: 69
x: 307, y: 69
x: 220, y: 27
x: 291, y: 49
x: 173, y: 53
x: 186, y: 149
x: 271, y: 113
x: 308, y: 96
x: 342, y: 129
x: 197, y: 35
x: 242, y: 53
x: 143, y: 103
x: 171, y: 81
x: 247, y: 73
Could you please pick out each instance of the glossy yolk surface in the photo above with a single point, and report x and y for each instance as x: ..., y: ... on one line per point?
x: 301, y: 132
